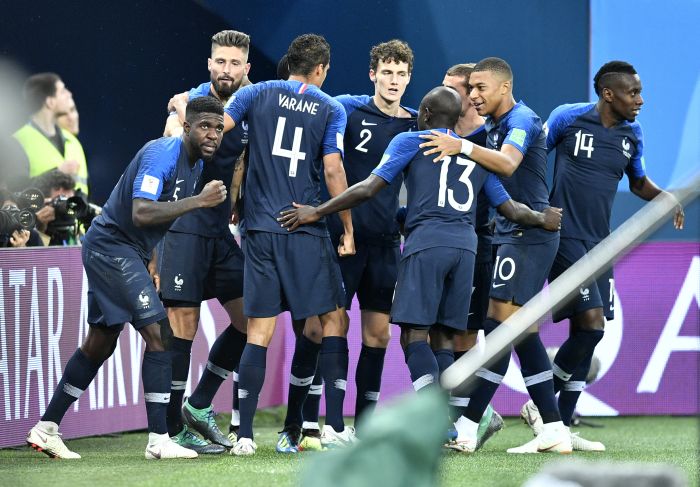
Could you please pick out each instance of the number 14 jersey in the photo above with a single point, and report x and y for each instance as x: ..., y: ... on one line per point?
x: 292, y: 125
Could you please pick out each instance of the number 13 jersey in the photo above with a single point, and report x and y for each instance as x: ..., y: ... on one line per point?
x: 292, y: 125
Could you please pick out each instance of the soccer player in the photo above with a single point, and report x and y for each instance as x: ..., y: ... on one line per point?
x: 155, y: 189
x: 471, y: 126
x: 435, y: 272
x: 297, y: 132
x: 516, y: 150
x: 595, y: 143
x: 213, y: 267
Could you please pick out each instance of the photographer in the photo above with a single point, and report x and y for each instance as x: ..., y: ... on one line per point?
x: 11, y: 232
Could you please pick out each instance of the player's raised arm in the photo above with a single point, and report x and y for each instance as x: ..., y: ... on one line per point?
x: 176, y: 115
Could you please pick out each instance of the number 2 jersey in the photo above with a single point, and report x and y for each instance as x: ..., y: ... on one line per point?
x: 441, y: 196
x: 292, y: 126
x: 590, y: 162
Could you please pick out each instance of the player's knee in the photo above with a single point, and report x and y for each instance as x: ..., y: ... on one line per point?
x: 100, y: 343
x: 311, y: 327
x: 441, y: 337
x: 410, y: 335
x: 183, y: 321
x: 589, y: 320
x: 151, y: 335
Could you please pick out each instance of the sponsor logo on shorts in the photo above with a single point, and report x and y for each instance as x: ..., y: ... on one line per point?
x: 499, y: 285
x: 178, y: 280
x: 585, y: 293
x: 144, y: 300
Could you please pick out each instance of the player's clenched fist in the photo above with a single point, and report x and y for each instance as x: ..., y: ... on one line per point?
x: 213, y: 193
x: 552, y: 219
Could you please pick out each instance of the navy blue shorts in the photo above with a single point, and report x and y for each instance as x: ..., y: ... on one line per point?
x: 480, y: 294
x: 371, y: 273
x: 294, y: 272
x: 520, y: 270
x: 595, y: 294
x: 434, y: 287
x: 194, y: 268
x: 120, y: 290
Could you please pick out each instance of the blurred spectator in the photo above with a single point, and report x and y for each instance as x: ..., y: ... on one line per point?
x: 18, y: 238
x: 70, y: 120
x: 48, y: 146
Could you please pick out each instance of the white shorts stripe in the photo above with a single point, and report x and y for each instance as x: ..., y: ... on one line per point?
x: 300, y: 381
x: 215, y: 369
x: 563, y: 375
x: 486, y: 374
x: 72, y: 390
x: 422, y: 381
x: 574, y: 386
x: 543, y: 376
x: 161, y: 397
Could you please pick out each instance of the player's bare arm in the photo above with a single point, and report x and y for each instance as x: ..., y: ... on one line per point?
x: 334, y: 174
x: 647, y: 189
x: 549, y: 219
x: 229, y: 123
x: 176, y: 109
x: 353, y: 196
x: 236, y: 182
x: 147, y: 212
x: 503, y: 162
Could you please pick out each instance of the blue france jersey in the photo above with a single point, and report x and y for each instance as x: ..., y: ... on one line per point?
x: 484, y: 210
x: 590, y: 161
x: 367, y: 135
x: 213, y: 222
x: 522, y: 128
x: 441, y: 197
x: 160, y: 172
x: 294, y: 126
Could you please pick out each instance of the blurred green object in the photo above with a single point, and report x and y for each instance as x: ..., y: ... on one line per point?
x: 400, y: 445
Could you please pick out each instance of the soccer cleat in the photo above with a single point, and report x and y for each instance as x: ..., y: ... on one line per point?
x: 464, y: 446
x: 495, y: 425
x: 203, y: 422
x: 45, y: 438
x: 187, y: 439
x: 551, y: 440
x: 244, y: 447
x: 331, y: 439
x: 582, y: 444
x: 310, y: 440
x: 162, y: 446
x: 288, y: 441
x: 531, y: 416
x: 233, y: 433
x: 452, y: 434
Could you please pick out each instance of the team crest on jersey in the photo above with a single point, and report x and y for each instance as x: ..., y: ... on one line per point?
x: 144, y: 300
x: 178, y: 280
x: 244, y: 126
x: 626, y: 147
x: 585, y: 293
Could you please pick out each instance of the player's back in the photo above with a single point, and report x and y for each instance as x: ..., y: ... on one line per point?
x: 160, y: 171
x: 590, y: 161
x: 292, y: 126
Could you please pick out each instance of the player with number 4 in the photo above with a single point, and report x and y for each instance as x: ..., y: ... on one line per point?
x: 435, y: 272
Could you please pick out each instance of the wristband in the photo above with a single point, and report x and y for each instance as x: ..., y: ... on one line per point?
x: 467, y: 147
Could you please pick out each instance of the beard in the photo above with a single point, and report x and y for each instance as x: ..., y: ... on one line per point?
x: 225, y: 90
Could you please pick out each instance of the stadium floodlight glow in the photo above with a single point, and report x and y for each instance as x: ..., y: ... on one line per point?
x: 650, y: 217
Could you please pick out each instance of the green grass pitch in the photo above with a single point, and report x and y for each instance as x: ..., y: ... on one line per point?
x: 118, y: 460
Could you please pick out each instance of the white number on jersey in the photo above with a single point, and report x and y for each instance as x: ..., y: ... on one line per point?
x: 365, y: 135
x: 584, y: 142
x: 612, y: 294
x: 294, y: 155
x: 446, y: 193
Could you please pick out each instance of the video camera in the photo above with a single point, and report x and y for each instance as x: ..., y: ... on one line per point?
x: 71, y: 212
x: 19, y: 216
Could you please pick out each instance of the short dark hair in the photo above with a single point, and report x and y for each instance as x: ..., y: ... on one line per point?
x: 306, y: 52
x: 395, y: 50
x: 53, y: 179
x: 283, y: 68
x: 203, y: 104
x: 463, y: 71
x: 609, y: 72
x: 231, y: 38
x: 495, y: 65
x: 38, y: 88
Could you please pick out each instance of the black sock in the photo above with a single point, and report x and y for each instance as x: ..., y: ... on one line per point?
x: 421, y: 364
x: 537, y: 373
x: 313, y: 401
x: 572, y: 389
x: 334, y: 367
x: 77, y: 376
x: 251, y: 378
x: 458, y: 400
x: 368, y: 378
x: 180, y: 352
x: 300, y: 379
x: 573, y: 351
x: 157, y: 377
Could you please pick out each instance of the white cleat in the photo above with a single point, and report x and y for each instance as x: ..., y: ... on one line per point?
x: 244, y: 447
x: 162, y: 446
x: 531, y: 416
x: 331, y: 439
x: 582, y: 444
x: 45, y: 438
x: 555, y: 439
x: 462, y: 446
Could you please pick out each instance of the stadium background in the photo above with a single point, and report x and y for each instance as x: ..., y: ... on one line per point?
x: 123, y: 64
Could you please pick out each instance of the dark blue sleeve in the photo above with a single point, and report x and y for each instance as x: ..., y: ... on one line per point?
x: 352, y: 102
x: 494, y: 191
x: 240, y: 102
x: 397, y: 155
x: 560, y: 118
x: 636, y: 168
x: 157, y: 163
x: 523, y: 128
x: 335, y: 130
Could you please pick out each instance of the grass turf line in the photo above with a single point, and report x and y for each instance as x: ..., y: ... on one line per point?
x: 118, y: 460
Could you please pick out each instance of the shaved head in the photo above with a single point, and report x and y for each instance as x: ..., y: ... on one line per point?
x: 440, y: 108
